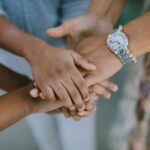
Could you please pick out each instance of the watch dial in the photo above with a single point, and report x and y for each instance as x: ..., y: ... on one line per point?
x: 117, y: 41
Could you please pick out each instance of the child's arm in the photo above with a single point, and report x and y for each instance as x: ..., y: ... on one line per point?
x: 10, y: 80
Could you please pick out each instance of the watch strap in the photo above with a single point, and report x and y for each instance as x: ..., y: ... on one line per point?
x: 126, y: 57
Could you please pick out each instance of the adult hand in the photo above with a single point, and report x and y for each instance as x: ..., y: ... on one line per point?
x: 36, y: 105
x: 95, y: 50
x: 56, y: 75
x: 78, y: 28
x: 102, y: 89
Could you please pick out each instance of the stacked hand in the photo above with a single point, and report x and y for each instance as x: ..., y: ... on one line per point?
x: 94, y: 50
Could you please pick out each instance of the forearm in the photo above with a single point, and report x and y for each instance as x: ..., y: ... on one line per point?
x: 115, y: 10
x: 13, y: 107
x: 138, y: 32
x: 72, y: 8
x: 99, y: 8
x: 11, y: 80
x: 17, y: 41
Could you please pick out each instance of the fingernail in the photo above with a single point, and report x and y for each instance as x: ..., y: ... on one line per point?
x: 95, y: 109
x: 86, y: 99
x: 115, y: 88
x: 81, y: 107
x: 108, y: 96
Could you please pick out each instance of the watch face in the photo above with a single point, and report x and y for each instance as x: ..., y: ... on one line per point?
x: 117, y: 41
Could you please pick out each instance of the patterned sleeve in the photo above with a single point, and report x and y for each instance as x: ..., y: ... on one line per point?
x: 73, y: 8
x: 2, y: 11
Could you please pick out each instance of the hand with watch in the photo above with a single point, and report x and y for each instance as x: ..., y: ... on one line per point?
x: 117, y: 42
x: 109, y: 53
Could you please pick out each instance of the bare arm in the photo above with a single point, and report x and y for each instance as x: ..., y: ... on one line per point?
x: 107, y: 63
x: 115, y: 10
x: 11, y: 80
x: 13, y: 107
x: 99, y: 8
x: 16, y: 40
x: 93, y: 23
x: 139, y: 39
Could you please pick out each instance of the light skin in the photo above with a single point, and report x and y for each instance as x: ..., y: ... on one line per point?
x: 107, y: 63
x: 25, y: 46
x: 98, y: 21
x: 62, y: 80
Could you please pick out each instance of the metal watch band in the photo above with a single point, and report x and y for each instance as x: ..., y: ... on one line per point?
x: 126, y: 57
x: 119, y: 46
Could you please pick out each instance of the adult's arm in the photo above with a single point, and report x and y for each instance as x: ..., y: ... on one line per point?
x: 115, y: 10
x: 11, y: 80
x: 107, y: 63
x: 16, y: 105
x: 92, y: 23
x: 99, y: 8
x: 13, y: 107
x: 41, y: 57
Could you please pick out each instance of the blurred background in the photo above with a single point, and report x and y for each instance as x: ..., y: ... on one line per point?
x: 19, y: 137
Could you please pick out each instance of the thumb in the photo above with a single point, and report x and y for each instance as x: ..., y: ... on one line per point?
x: 82, y: 62
x: 58, y: 32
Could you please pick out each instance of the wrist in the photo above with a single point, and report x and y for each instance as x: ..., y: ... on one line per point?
x: 138, y: 42
x: 33, y: 49
x: 29, y: 104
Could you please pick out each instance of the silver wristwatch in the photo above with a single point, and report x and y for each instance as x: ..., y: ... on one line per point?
x: 117, y: 42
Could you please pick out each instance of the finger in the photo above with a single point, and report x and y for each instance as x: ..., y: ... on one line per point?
x: 90, y: 107
x: 48, y: 93
x: 53, y: 106
x: 59, y: 31
x: 42, y: 96
x: 74, y: 94
x: 65, y: 112
x: 91, y: 80
x: 72, y: 110
x: 80, y: 83
x: 82, y: 62
x: 76, y: 118
x: 34, y: 92
x: 100, y: 91
x: 84, y: 113
x: 109, y: 85
x: 62, y: 94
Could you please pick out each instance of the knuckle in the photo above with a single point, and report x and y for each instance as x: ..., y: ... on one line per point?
x: 64, y: 98
x: 75, y: 95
